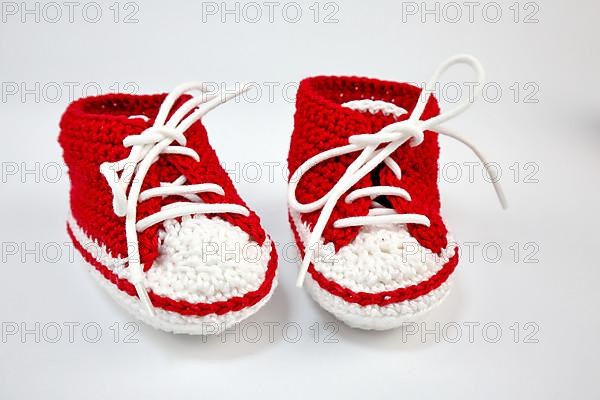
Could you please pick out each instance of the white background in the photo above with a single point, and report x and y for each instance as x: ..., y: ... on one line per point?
x: 553, y: 217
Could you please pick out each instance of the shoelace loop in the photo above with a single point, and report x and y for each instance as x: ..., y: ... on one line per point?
x: 125, y: 177
x: 376, y: 148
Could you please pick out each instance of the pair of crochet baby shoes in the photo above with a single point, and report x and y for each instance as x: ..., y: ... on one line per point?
x: 164, y: 231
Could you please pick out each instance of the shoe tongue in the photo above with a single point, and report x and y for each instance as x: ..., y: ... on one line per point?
x: 160, y: 170
x: 379, y: 113
x: 167, y: 171
x: 167, y: 168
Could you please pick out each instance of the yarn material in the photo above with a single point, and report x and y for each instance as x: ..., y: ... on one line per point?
x: 322, y: 123
x: 91, y: 132
x: 369, y: 288
x: 384, y: 297
x: 181, y: 306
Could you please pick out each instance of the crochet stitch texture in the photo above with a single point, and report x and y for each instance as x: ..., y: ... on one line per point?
x: 92, y: 131
x: 363, y: 283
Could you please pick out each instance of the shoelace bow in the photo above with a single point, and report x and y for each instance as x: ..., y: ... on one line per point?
x: 146, y: 149
x: 376, y: 148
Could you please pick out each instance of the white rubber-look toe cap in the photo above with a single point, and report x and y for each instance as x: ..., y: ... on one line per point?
x: 229, y: 264
x: 380, y: 259
x: 205, y: 260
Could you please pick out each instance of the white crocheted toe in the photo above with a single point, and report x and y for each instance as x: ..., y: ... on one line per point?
x: 205, y: 260
x: 202, y: 261
x: 382, y: 258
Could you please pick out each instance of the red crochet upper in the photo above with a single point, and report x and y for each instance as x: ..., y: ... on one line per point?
x: 92, y: 131
x: 321, y: 123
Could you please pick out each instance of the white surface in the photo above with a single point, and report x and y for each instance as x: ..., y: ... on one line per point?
x: 381, y: 258
x: 197, y: 282
x: 166, y: 320
x: 560, y: 134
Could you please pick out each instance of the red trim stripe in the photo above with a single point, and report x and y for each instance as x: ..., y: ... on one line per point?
x: 181, y: 306
x: 381, y: 298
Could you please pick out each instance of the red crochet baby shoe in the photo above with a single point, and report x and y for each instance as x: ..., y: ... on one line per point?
x: 155, y: 215
x: 363, y: 196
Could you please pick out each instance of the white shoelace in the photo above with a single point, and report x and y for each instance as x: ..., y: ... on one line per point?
x: 390, y: 138
x: 145, y: 150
